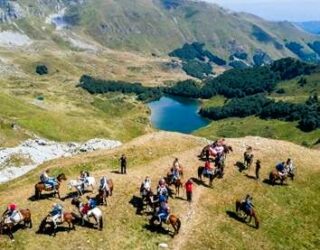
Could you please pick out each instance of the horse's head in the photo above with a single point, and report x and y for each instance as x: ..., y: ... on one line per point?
x: 75, y: 201
x: 61, y: 177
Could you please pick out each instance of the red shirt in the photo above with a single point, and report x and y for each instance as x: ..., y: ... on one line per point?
x: 207, y: 165
x: 188, y: 186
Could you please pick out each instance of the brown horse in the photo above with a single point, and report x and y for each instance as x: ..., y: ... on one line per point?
x: 247, y: 159
x: 250, y: 214
x: 173, y: 220
x: 68, y: 217
x: 39, y: 187
x: 274, y: 176
x: 7, y: 225
x: 206, y: 153
x: 104, y: 194
x: 177, y: 183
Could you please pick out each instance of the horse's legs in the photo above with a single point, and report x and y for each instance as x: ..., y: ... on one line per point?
x: 10, y: 233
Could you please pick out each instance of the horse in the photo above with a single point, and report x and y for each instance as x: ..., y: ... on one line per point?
x: 274, y: 176
x: 68, y: 217
x: 250, y: 214
x: 104, y: 194
x: 7, y: 225
x: 211, y: 177
x: 149, y: 199
x: 206, y: 152
x: 80, y: 186
x: 177, y: 183
x: 227, y: 150
x: 84, y: 211
x: 248, y: 159
x: 39, y: 187
x: 173, y: 220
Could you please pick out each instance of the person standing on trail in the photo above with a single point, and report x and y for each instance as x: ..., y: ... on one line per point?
x: 123, y: 164
x: 188, y: 186
x: 258, y: 166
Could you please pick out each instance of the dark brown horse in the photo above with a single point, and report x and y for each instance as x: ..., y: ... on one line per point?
x: 274, y: 176
x: 68, y: 218
x: 173, y: 220
x: 251, y: 213
x: 206, y: 152
x: 247, y: 159
x: 177, y: 183
x: 104, y: 194
x: 211, y: 177
x: 7, y: 225
x: 39, y: 187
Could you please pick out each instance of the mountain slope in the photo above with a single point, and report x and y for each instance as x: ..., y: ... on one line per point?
x: 205, y: 223
x: 161, y: 26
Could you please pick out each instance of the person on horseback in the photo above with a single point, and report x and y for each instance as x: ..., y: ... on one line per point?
x: 281, y: 168
x: 247, y: 203
x: 83, y: 178
x: 164, y: 211
x: 175, y: 173
x: 92, y: 203
x: 145, y: 186
x: 11, y: 213
x: 56, y: 213
x: 289, y: 166
x: 207, y: 168
x: 104, y: 184
x: 46, y: 179
x: 162, y: 189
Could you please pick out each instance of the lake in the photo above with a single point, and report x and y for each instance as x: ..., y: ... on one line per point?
x: 176, y: 114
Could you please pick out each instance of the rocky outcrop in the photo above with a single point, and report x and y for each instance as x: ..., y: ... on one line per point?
x: 10, y: 10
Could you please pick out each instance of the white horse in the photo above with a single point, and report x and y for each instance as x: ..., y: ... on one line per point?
x: 85, y: 213
x: 80, y: 186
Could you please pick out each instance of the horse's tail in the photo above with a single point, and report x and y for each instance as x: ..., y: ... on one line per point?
x: 200, y: 170
x: 255, y: 220
x: 178, y: 225
x: 36, y: 192
x: 238, y: 204
x: 100, y: 223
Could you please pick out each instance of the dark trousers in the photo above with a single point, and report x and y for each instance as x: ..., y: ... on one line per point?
x: 257, y: 173
x: 189, y: 196
x: 123, y: 169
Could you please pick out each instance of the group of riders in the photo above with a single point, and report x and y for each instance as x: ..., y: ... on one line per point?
x: 162, y: 209
x: 12, y: 214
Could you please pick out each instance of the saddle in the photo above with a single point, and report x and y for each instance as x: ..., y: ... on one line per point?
x: 15, y: 219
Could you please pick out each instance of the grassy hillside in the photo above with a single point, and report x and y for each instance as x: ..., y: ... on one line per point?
x: 293, y: 91
x: 205, y: 223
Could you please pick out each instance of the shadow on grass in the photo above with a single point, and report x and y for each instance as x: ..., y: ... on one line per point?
x: 241, y: 167
x: 115, y: 172
x: 250, y: 177
x: 137, y: 203
x: 158, y: 229
x: 277, y: 183
x: 200, y: 182
x: 45, y: 196
x: 234, y: 216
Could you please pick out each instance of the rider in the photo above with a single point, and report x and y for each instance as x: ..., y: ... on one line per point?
x: 104, y: 184
x: 289, y: 166
x: 92, y: 203
x: 164, y: 211
x: 162, y: 189
x: 247, y: 203
x: 207, y: 168
x: 56, y: 213
x: 83, y: 178
x: 175, y: 173
x: 281, y: 169
x: 44, y: 177
x: 145, y: 185
x: 11, y: 212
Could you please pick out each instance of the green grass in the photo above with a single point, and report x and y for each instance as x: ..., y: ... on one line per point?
x: 216, y: 101
x: 115, y: 120
x: 294, y: 92
x: 275, y: 129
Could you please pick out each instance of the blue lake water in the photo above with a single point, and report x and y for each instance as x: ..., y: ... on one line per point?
x: 176, y: 114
